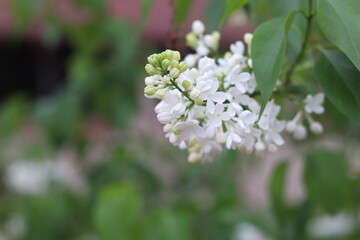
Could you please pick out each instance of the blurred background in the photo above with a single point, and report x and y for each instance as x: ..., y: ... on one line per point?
x: 82, y: 155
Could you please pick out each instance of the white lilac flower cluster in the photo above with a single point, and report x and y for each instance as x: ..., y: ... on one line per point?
x: 213, y: 102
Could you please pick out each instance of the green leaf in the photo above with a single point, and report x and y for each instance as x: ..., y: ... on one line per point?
x: 276, y: 188
x: 164, y: 225
x: 181, y: 10
x: 339, y: 79
x: 116, y: 212
x: 268, y: 51
x: 340, y: 23
x: 231, y: 6
x: 325, y: 172
x: 213, y: 14
x: 145, y: 11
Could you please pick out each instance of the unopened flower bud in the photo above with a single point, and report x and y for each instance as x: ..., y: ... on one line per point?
x: 260, y: 146
x: 221, y: 137
x: 248, y: 38
x: 194, y: 157
x: 174, y: 73
x: 195, y: 93
x: 177, y: 132
x: 191, y: 40
x: 210, y: 41
x: 176, y: 56
x: 165, y: 64
x: 182, y: 66
x: 174, y: 64
x: 216, y: 35
x: 167, y: 127
x: 149, y: 90
x: 166, y: 79
x: 316, y: 128
x: 198, y: 101
x: 153, y: 60
x: 160, y: 94
x: 290, y: 126
x: 192, y: 142
x: 186, y: 84
x: 300, y: 132
x: 151, y: 70
x: 198, y: 27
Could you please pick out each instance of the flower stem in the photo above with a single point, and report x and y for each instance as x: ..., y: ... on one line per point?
x: 182, y: 92
x: 301, y: 54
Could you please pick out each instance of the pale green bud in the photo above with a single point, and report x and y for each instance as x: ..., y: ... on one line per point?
x: 177, y: 131
x: 191, y: 40
x: 198, y: 101
x: 174, y: 64
x: 166, y: 79
x: 153, y: 60
x: 160, y: 94
x: 151, y: 70
x: 168, y: 54
x: 194, y: 157
x: 167, y: 127
x: 165, y: 64
x: 182, y: 66
x: 176, y: 55
x: 216, y: 35
x: 174, y: 73
x: 248, y: 38
x: 149, y: 90
x: 186, y: 84
x: 195, y: 93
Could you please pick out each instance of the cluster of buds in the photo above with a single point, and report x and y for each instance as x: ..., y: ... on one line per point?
x: 164, y: 69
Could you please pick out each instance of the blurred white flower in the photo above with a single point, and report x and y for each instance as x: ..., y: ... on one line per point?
x: 332, y: 226
x: 313, y: 103
x: 246, y: 231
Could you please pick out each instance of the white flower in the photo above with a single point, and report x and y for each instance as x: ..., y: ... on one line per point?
x: 313, y: 104
x: 185, y: 131
x: 171, y: 107
x: 246, y: 231
x: 238, y: 78
x: 337, y: 226
x: 198, y: 27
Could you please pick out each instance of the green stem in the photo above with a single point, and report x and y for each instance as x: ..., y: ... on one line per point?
x: 182, y: 92
x: 303, y: 45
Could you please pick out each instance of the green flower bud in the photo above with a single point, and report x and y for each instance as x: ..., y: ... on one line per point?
x: 216, y: 35
x: 174, y: 64
x: 198, y: 101
x: 176, y: 131
x: 186, y: 84
x: 151, y: 70
x: 174, y: 73
x: 160, y: 94
x: 176, y: 55
x: 165, y: 64
x: 168, y: 54
x: 149, y: 90
x: 166, y: 79
x: 191, y: 40
x: 182, y: 66
x: 153, y: 60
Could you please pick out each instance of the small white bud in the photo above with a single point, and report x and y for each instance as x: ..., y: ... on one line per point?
x: 210, y: 41
x: 167, y: 128
x: 216, y: 35
x: 248, y: 38
x: 260, y: 146
x: 191, y: 40
x: 249, y: 63
x: 198, y: 27
x: 316, y: 128
x: 194, y: 157
x: 195, y: 93
x: 221, y: 137
x: 174, y: 73
x: 300, y: 132
x: 290, y: 126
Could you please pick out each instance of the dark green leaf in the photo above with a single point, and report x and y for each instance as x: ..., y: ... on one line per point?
x: 181, y: 10
x: 326, y: 181
x: 276, y: 188
x: 116, y: 212
x: 340, y: 82
x: 340, y: 23
x: 164, y: 225
x: 268, y: 51
x: 214, y: 13
x: 232, y: 6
